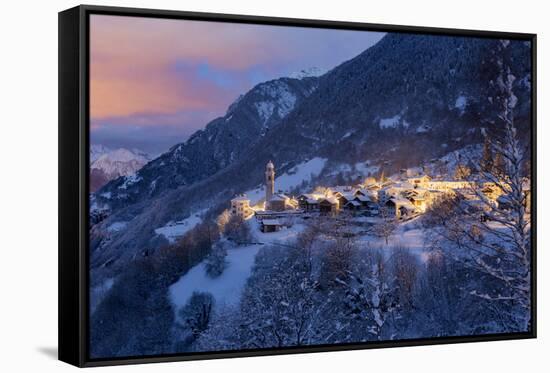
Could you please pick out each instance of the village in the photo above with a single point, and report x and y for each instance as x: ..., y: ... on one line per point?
x: 399, y: 198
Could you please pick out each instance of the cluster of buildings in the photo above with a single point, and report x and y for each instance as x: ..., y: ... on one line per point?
x: 404, y: 198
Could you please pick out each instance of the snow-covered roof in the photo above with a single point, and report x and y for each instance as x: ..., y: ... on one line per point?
x: 365, y: 191
x: 406, y: 185
x: 310, y: 196
x: 241, y: 198
x: 363, y: 198
x: 475, y: 203
x: 331, y: 200
x: 279, y: 213
x: 348, y: 195
x: 373, y: 186
x: 271, y: 222
x: 353, y: 203
x: 407, y: 207
x: 402, y: 202
x: 278, y: 197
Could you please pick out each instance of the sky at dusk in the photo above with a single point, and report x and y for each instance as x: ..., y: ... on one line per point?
x: 156, y: 81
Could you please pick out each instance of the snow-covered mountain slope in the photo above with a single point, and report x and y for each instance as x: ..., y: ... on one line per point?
x: 97, y: 150
x: 114, y: 164
x: 395, y: 112
x: 308, y: 73
x: 221, y: 143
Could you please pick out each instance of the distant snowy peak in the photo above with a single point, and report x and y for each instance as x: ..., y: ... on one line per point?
x: 121, y: 155
x: 311, y: 72
x: 116, y: 163
x: 97, y: 150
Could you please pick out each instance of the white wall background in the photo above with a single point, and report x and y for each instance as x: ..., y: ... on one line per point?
x: 28, y: 184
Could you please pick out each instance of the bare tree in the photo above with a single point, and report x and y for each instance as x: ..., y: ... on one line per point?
x: 237, y: 230
x: 406, y: 270
x: 462, y: 172
x: 223, y: 219
x: 386, y: 226
x: 337, y: 260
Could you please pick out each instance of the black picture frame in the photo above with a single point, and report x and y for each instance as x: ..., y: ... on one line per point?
x: 74, y: 186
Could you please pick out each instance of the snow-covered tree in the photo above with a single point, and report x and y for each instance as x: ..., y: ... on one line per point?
x: 216, y: 262
x: 492, y: 239
x: 321, y: 190
x: 237, y: 230
x: 222, y: 332
x: 278, y: 308
x: 196, y: 313
x: 193, y: 319
x: 223, y: 219
x: 337, y: 260
x: 440, y: 301
x: 372, y: 296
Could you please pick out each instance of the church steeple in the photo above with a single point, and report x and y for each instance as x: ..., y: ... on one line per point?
x: 269, y: 181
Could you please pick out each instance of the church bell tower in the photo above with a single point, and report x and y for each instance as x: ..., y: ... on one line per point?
x: 269, y: 181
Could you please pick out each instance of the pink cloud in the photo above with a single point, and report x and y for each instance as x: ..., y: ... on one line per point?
x: 177, y: 75
x: 131, y: 59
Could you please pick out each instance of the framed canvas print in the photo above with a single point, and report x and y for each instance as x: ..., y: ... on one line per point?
x: 238, y: 186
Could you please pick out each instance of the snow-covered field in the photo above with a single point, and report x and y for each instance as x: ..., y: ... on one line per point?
x: 226, y: 288
x: 173, y: 230
x: 412, y: 239
x: 407, y: 236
